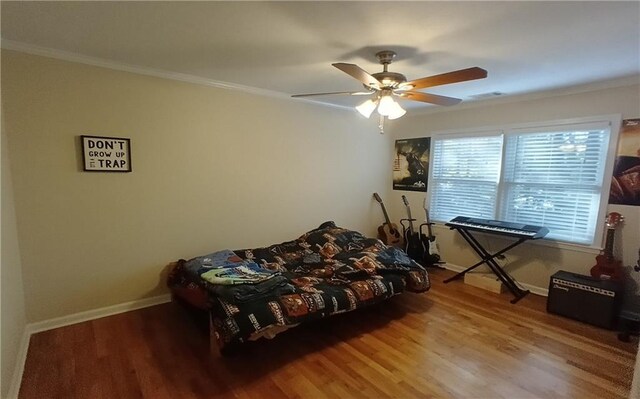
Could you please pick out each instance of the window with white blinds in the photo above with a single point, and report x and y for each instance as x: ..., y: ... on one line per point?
x: 554, y: 179
x: 465, y: 175
x: 551, y: 176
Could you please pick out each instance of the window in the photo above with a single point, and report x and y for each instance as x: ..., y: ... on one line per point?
x: 465, y: 175
x: 551, y: 176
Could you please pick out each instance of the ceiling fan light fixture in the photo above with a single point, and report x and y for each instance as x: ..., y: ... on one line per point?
x: 387, y: 105
x: 396, y: 112
x: 367, y: 108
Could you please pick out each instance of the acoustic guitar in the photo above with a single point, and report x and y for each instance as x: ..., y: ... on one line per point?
x: 412, y: 243
x: 607, y: 267
x: 429, y: 244
x: 388, y: 232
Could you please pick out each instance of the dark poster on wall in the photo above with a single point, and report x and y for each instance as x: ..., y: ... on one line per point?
x: 625, y: 184
x: 411, y: 164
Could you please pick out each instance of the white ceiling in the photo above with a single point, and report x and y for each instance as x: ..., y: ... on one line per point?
x: 288, y: 47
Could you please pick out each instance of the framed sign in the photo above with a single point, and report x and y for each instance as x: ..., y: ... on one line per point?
x: 411, y: 164
x: 106, y: 154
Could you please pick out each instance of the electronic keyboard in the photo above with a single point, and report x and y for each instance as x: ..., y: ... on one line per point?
x: 522, y: 233
x: 510, y: 229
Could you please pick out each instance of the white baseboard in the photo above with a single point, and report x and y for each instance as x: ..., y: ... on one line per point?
x: 542, y: 291
x: 75, y: 318
x: 18, y: 370
x: 97, y: 313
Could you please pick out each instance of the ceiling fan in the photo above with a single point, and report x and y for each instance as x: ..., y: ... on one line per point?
x: 385, y: 85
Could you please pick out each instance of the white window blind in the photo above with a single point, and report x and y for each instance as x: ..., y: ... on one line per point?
x: 554, y: 179
x: 465, y: 175
x: 552, y: 176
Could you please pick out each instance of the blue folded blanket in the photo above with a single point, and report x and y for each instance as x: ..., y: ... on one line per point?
x: 247, y: 273
x: 227, y: 268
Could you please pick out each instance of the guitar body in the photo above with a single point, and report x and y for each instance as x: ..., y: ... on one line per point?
x: 413, y: 245
x: 412, y: 242
x: 390, y: 235
x: 431, y: 255
x: 388, y: 232
x: 430, y: 248
x: 607, y: 266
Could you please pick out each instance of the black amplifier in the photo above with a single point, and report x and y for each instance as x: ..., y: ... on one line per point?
x: 585, y: 298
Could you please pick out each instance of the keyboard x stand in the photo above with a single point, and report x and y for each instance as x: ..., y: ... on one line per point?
x: 489, y: 260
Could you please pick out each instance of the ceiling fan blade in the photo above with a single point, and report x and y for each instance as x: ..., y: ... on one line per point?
x: 429, y: 98
x: 359, y: 73
x: 450, y: 77
x: 351, y: 93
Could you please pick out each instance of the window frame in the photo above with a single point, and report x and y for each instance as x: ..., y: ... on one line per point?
x: 612, y: 121
x: 470, y: 133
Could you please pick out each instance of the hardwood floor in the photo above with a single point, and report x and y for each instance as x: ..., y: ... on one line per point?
x: 455, y: 341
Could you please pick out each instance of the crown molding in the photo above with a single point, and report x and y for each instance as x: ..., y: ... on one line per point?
x: 158, y: 73
x: 182, y: 77
x: 563, y: 91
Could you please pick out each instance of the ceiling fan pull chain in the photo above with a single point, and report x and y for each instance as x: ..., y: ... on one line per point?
x: 381, y: 124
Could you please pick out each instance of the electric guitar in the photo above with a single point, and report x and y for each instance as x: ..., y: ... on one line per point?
x: 388, y: 232
x: 412, y: 244
x: 607, y: 267
x: 429, y: 244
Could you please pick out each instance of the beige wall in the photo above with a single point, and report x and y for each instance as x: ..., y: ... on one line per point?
x: 216, y: 169
x: 12, y: 307
x: 532, y: 264
x: 212, y: 169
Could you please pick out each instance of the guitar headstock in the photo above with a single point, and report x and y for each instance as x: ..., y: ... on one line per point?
x: 377, y: 197
x: 405, y: 201
x: 613, y: 220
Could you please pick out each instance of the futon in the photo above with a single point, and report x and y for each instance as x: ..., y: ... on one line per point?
x: 259, y: 292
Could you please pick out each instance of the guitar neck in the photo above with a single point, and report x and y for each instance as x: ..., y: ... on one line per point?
x: 386, y: 216
x: 426, y: 213
x: 410, y: 218
x: 406, y: 204
x: 608, y: 246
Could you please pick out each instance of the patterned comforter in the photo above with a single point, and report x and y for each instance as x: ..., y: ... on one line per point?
x: 325, y: 271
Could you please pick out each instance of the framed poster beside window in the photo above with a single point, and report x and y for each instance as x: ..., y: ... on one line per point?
x: 411, y: 164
